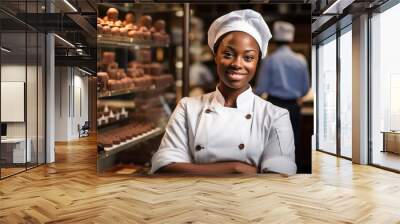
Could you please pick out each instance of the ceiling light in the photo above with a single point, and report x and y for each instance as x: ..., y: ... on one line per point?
x: 78, y: 44
x: 337, y: 7
x: 5, y: 50
x: 84, y: 71
x: 65, y: 41
x: 70, y: 5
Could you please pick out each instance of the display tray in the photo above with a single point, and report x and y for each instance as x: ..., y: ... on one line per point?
x: 129, y: 143
x: 121, y: 92
x: 106, y: 40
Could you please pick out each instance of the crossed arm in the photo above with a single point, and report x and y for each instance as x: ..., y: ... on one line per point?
x: 175, y: 145
x: 173, y: 155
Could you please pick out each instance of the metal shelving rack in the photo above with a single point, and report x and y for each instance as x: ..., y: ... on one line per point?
x: 126, y: 42
x: 113, y: 93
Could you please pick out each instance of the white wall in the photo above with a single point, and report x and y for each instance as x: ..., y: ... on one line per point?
x: 62, y: 81
x: 71, y: 93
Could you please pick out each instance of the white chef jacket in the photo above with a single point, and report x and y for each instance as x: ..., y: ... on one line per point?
x: 201, y: 130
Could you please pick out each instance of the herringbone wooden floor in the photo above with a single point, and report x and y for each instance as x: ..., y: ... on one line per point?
x: 70, y: 191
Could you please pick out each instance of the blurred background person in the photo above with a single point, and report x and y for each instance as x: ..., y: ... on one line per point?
x: 202, y: 80
x: 201, y: 77
x: 283, y: 77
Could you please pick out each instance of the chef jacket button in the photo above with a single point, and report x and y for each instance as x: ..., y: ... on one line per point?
x: 199, y: 147
x: 208, y: 111
x: 248, y: 116
x: 241, y: 146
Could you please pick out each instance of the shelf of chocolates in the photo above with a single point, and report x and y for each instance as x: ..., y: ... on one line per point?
x: 114, y: 32
x: 142, y: 121
x: 121, y: 138
x: 138, y: 77
x: 107, y: 115
x: 122, y: 126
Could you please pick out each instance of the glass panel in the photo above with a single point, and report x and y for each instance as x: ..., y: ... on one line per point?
x: 327, y: 96
x: 31, y: 88
x: 385, y: 84
x: 41, y: 99
x: 22, y: 80
x: 14, y: 153
x: 31, y: 97
x: 346, y: 94
x: 41, y: 90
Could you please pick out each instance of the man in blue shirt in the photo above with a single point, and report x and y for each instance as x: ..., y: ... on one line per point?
x: 283, y: 77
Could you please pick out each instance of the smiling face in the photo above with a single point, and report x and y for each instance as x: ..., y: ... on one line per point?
x: 236, y: 58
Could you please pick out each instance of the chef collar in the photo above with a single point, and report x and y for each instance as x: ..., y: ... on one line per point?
x: 244, y: 101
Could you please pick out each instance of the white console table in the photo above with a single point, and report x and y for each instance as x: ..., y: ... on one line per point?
x: 19, y: 155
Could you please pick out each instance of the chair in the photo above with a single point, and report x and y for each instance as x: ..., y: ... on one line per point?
x: 84, y: 130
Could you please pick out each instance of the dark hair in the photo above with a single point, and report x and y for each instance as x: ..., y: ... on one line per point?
x: 218, y: 42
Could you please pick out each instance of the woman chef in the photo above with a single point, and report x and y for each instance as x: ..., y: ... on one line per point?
x: 230, y: 130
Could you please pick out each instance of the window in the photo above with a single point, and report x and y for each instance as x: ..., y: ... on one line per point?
x: 385, y: 86
x: 327, y: 95
x: 346, y: 92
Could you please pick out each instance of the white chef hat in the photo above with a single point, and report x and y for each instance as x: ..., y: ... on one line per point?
x: 283, y: 31
x: 248, y: 21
